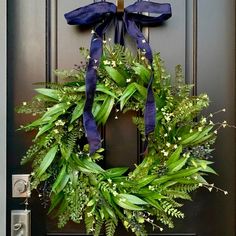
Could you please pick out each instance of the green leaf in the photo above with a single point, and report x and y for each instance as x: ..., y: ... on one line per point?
x: 81, y: 88
x: 203, y: 139
x: 148, y: 193
x: 154, y: 203
x: 105, y: 110
x: 204, y: 165
x: 100, y: 150
x: 142, y: 90
x: 110, y: 212
x: 187, y: 181
x: 106, y: 195
x: 208, y: 169
x: 102, y: 88
x: 180, y: 174
x: 47, y: 160
x: 55, y: 200
x: 52, y: 93
x: 115, y: 172
x: 78, y: 111
x: 127, y: 94
x: 146, y: 180
x: 39, y: 122
x: 132, y: 198
x: 122, y: 202
x: 116, y: 76
x: 177, y: 165
x: 142, y: 72
x: 186, y: 139
x: 197, y: 136
x: 44, y: 129
x: 203, y: 134
x: 58, y: 108
x: 91, y: 202
x: 109, y: 107
x: 88, y: 166
x: 174, y: 156
x: 61, y: 181
x: 184, y: 173
x: 96, y: 108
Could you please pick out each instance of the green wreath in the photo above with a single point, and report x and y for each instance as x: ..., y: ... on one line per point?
x: 179, y: 150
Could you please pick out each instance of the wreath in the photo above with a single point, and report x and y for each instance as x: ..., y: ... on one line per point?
x: 179, y: 150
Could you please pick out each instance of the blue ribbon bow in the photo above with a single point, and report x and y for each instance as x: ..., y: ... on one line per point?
x: 101, y: 15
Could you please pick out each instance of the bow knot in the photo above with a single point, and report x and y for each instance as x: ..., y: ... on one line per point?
x: 101, y: 15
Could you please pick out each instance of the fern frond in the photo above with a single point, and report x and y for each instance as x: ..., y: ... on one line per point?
x: 72, y: 138
x: 165, y: 219
x: 31, y: 152
x: 170, y: 210
x: 98, y: 227
x: 34, y: 107
x: 175, y: 203
x: 89, y: 220
x: 187, y: 188
x: 177, y: 194
x: 110, y: 227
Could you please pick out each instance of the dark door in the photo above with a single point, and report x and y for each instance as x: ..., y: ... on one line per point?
x: 200, y: 36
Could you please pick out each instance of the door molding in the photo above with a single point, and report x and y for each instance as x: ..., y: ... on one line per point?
x: 3, y: 79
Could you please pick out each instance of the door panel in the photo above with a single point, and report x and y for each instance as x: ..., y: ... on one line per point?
x: 39, y: 41
x: 26, y: 65
x: 216, y: 76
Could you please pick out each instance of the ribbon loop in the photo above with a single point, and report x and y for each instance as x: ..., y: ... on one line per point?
x: 102, y: 14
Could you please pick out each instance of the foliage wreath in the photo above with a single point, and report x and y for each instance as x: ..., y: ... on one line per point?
x: 78, y: 187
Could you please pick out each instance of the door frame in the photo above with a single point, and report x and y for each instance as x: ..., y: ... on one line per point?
x: 3, y: 116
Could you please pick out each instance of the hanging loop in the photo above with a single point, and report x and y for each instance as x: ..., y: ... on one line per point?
x: 120, y: 6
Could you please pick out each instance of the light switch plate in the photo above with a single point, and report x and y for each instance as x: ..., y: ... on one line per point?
x: 21, y: 186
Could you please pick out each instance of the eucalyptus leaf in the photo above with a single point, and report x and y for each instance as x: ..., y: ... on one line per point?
x: 132, y: 198
x: 102, y: 88
x: 44, y: 129
x: 61, y: 182
x: 124, y: 203
x: 78, y: 111
x: 127, y: 94
x: 105, y: 110
x: 52, y: 93
x: 92, y: 166
x: 145, y: 181
x: 142, y: 72
x: 116, y: 76
x: 142, y: 90
x: 202, y: 134
x: 58, y: 108
x: 55, y: 200
x: 47, y: 160
x: 115, y: 172
x: 154, y: 203
x: 174, y: 156
x: 177, y: 165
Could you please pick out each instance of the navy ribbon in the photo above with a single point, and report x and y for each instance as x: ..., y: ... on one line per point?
x: 101, y: 15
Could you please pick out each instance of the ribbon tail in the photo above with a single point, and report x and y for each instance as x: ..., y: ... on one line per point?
x: 150, y: 110
x: 150, y: 106
x: 91, y: 130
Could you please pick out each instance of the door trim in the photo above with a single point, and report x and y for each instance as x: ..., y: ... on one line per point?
x: 3, y: 79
